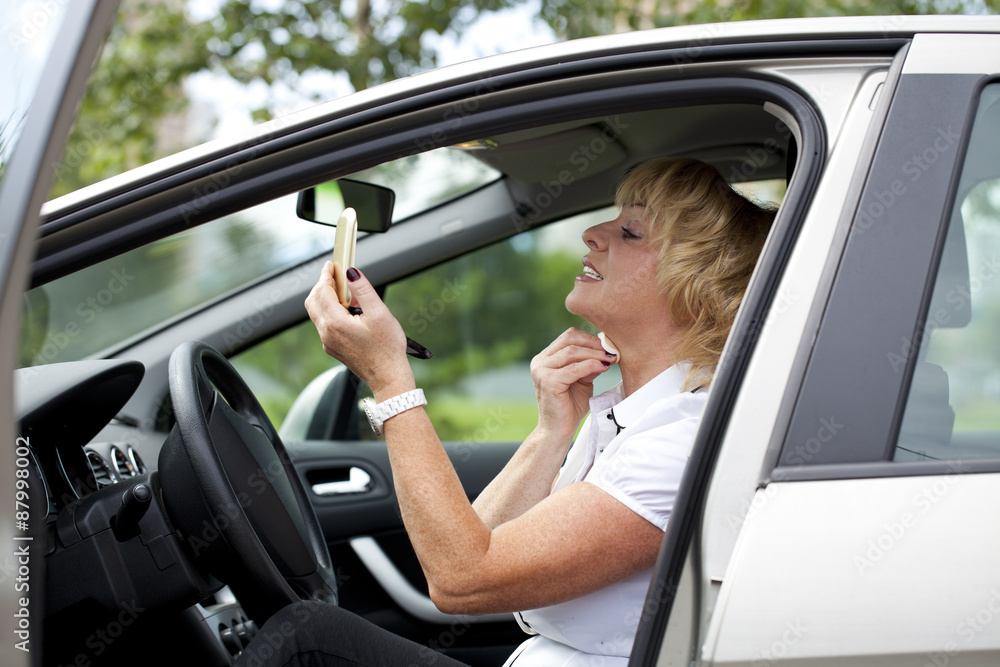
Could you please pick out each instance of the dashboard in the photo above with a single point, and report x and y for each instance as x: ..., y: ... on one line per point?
x: 61, y: 408
x: 97, y: 513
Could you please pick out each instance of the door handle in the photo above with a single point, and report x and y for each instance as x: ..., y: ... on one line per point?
x: 358, y: 481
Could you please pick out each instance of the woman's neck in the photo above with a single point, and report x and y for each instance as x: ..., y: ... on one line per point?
x: 641, y: 364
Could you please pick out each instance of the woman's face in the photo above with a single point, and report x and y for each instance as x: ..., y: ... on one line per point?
x: 617, y: 290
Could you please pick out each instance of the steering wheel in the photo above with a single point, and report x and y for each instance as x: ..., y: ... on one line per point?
x: 230, y: 487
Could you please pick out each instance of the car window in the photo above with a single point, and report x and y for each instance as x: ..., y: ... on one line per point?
x: 953, y: 408
x: 484, y: 316
x: 105, y: 304
x: 30, y: 29
x: 278, y: 369
x: 101, y: 306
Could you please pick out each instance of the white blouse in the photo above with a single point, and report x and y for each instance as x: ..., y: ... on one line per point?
x: 639, y: 464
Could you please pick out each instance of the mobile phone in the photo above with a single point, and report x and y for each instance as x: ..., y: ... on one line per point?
x: 344, y: 246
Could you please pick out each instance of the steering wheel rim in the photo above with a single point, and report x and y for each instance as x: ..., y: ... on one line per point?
x: 230, y: 487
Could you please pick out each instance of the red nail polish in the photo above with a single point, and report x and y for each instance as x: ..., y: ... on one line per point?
x: 606, y: 363
x: 353, y: 274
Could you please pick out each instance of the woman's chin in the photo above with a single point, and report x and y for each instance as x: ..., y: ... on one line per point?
x: 579, y: 306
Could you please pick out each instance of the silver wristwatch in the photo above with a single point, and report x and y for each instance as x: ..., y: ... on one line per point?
x: 378, y: 413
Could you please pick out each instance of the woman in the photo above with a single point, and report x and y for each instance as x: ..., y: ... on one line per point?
x: 569, y: 533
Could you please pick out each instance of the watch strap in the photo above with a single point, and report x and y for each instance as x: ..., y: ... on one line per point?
x: 378, y: 413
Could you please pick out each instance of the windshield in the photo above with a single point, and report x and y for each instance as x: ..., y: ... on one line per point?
x: 100, y: 307
x: 29, y: 28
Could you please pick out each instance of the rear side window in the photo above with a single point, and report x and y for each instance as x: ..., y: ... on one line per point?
x: 953, y: 408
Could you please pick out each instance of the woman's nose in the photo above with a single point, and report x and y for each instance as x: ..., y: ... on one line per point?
x: 596, y: 237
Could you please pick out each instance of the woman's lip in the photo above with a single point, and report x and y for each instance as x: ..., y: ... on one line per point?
x: 584, y: 278
x: 590, y: 265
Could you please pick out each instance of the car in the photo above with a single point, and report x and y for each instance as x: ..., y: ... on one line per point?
x: 840, y: 502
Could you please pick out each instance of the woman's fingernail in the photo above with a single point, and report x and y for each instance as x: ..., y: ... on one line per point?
x: 606, y: 363
x: 353, y: 274
x: 354, y: 310
x: 609, y: 355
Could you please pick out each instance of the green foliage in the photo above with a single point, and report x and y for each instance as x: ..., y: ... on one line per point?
x: 278, y: 369
x: 571, y: 19
x: 485, y: 310
x: 370, y: 42
x: 152, y: 48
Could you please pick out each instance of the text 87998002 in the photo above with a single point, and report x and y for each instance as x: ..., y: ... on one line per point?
x: 22, y: 546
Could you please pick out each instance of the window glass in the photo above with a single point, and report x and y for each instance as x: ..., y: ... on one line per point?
x: 278, y: 369
x: 483, y: 315
x: 953, y: 408
x: 30, y: 28
x: 417, y: 180
x: 103, y: 305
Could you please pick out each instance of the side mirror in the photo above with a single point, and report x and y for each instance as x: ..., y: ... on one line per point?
x: 325, y: 202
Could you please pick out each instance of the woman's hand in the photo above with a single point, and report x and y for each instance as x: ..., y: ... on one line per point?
x: 564, y: 374
x: 371, y: 344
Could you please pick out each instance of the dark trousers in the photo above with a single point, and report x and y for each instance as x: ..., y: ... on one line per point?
x: 315, y: 634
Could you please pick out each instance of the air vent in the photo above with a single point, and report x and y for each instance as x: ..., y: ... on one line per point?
x: 121, y: 463
x: 102, y: 471
x: 137, y: 463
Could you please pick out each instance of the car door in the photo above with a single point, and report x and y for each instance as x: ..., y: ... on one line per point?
x: 32, y: 143
x: 848, y: 518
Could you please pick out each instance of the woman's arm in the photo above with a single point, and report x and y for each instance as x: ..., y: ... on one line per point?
x: 556, y: 550
x: 563, y: 376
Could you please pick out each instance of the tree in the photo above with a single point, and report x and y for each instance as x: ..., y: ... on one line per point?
x: 138, y: 81
x: 155, y: 45
x: 370, y: 42
x: 571, y: 19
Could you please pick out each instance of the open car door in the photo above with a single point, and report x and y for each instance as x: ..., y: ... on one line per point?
x: 48, y: 52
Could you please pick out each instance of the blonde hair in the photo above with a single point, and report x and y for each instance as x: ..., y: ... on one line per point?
x: 710, y: 237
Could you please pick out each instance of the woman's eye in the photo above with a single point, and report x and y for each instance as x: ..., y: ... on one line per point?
x: 628, y: 235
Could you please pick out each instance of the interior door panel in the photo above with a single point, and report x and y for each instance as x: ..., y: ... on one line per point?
x: 350, y: 485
